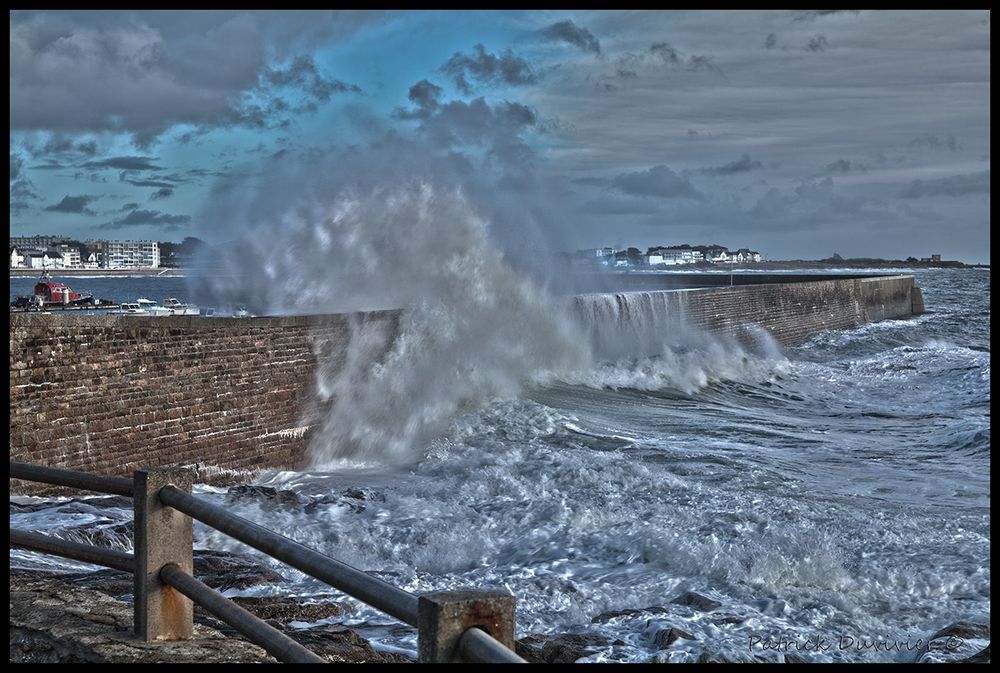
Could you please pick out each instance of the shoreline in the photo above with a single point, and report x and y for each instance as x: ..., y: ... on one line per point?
x: 55, y: 273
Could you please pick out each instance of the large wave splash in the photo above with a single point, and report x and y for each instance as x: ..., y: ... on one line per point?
x: 644, y: 341
x: 472, y: 328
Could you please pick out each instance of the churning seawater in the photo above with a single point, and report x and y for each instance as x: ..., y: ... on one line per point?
x: 836, y: 489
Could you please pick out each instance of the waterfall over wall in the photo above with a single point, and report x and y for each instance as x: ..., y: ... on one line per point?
x: 633, y: 324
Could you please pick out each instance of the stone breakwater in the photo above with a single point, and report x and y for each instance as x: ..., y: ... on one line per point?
x: 111, y: 394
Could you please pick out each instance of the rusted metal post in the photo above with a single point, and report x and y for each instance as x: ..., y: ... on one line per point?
x: 444, y: 616
x: 162, y: 536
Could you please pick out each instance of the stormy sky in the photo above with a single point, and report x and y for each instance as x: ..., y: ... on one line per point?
x: 797, y: 133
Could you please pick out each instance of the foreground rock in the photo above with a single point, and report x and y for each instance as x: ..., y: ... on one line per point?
x: 57, y: 619
x: 562, y: 649
x: 53, y: 621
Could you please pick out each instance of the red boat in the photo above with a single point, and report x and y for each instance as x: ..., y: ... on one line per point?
x: 48, y: 293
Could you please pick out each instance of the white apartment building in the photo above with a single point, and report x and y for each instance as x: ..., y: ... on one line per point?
x: 131, y: 254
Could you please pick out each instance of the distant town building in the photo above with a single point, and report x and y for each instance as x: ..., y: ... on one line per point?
x: 93, y: 260
x: 37, y: 242
x: 130, y: 254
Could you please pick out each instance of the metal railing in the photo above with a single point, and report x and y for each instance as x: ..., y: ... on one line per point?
x: 470, y: 626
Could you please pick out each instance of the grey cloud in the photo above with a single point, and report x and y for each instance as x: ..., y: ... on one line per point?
x: 489, y: 69
x: 130, y: 163
x: 476, y: 123
x: 818, y: 43
x: 162, y: 193
x: 666, y: 52
x: 617, y: 205
x: 674, y: 57
x: 934, y: 143
x: 771, y: 42
x: 845, y: 166
x: 658, y: 181
x: 129, y: 206
x: 955, y: 185
x: 592, y: 182
x: 570, y: 33
x: 137, y: 218
x: 741, y: 165
x: 74, y: 204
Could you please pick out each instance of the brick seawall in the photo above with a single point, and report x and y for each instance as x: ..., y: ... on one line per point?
x: 110, y: 394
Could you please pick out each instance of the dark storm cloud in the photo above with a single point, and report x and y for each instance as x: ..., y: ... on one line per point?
x: 63, y: 145
x: 137, y: 218
x: 425, y: 96
x: 303, y: 73
x: 162, y: 193
x: 22, y: 191
x: 741, y: 165
x: 50, y: 166
x: 498, y: 128
x: 486, y: 68
x: 658, y: 181
x: 812, y: 15
x: 570, y: 33
x: 955, y: 185
x: 150, y: 183
x: 125, y: 164
x: 143, y: 72
x: 74, y: 204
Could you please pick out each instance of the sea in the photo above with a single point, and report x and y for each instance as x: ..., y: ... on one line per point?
x: 833, y: 497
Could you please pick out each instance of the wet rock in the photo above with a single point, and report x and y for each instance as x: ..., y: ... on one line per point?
x: 982, y: 657
x: 697, y: 601
x: 53, y: 621
x: 717, y: 658
x: 959, y: 642
x: 965, y: 631
x: 664, y: 638
x: 224, y: 570
x: 266, y: 493
x: 284, y: 609
x: 562, y: 649
x: 608, y: 616
x: 340, y: 644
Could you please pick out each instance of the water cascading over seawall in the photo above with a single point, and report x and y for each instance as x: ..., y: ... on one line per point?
x: 112, y: 393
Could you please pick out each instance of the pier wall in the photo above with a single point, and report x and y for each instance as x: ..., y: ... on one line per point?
x: 110, y: 394
x: 792, y: 312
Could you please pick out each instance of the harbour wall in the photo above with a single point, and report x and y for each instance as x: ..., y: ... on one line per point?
x: 110, y: 394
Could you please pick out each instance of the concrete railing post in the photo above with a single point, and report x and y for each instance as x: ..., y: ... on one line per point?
x: 162, y: 535
x: 443, y: 617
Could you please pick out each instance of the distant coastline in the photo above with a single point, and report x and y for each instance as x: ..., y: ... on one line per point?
x: 163, y: 273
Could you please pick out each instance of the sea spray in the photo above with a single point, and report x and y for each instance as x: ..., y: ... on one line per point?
x: 472, y: 328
